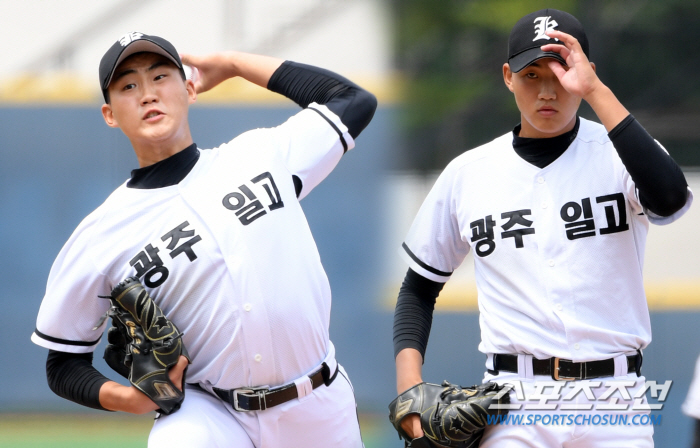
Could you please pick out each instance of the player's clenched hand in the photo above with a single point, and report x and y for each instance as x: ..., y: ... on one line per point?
x: 211, y: 69
x: 579, y: 77
x: 115, y: 397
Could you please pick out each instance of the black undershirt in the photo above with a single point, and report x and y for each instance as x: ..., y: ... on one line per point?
x: 662, y: 190
x: 543, y: 151
x: 72, y: 376
x: 167, y: 172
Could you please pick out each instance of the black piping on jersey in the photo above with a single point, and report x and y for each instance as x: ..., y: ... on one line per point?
x: 335, y: 128
x: 166, y: 172
x: 357, y: 413
x: 65, y: 341
x: 543, y: 151
x: 423, y: 265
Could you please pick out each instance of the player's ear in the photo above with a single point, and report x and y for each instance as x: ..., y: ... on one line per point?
x: 191, y: 91
x: 108, y: 115
x: 508, y: 76
x: 593, y: 65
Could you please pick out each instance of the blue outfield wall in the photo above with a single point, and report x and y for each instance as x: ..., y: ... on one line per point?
x: 58, y: 164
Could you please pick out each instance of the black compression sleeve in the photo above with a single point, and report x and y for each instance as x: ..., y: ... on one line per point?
x: 413, y: 316
x: 72, y: 376
x: 306, y: 84
x: 662, y: 186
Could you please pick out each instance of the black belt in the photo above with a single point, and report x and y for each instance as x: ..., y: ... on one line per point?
x: 261, y: 398
x: 565, y: 370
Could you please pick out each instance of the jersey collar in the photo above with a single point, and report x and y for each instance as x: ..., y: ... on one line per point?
x: 543, y: 151
x: 167, y: 172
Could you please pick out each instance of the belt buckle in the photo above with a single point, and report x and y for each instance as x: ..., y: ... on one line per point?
x: 260, y: 393
x: 555, y: 371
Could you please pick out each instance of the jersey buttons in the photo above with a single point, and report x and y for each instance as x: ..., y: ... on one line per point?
x: 559, y: 306
x: 551, y: 263
x: 258, y: 357
x: 247, y: 307
x: 576, y: 346
x: 540, y: 180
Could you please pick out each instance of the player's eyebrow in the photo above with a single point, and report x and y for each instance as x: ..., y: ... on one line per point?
x: 122, y: 73
x: 128, y: 71
x: 157, y: 64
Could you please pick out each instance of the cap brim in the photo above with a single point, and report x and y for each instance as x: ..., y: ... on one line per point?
x: 139, y: 46
x: 527, y: 57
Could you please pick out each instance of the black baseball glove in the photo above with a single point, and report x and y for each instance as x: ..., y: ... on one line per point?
x: 451, y: 416
x: 144, y: 345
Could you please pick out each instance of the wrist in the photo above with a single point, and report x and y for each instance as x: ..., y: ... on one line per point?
x: 607, y: 107
x: 116, y: 397
x: 403, y: 384
x: 231, y: 64
x: 597, y: 94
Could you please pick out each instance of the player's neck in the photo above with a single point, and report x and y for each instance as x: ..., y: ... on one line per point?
x: 150, y: 152
x: 527, y: 130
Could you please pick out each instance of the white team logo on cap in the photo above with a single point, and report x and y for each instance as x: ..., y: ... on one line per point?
x: 542, y: 25
x: 129, y: 37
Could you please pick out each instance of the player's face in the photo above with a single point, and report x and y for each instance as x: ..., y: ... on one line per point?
x: 546, y: 108
x: 149, y: 101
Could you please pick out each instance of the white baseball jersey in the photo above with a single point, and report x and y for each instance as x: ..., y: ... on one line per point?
x: 558, y: 251
x: 227, y: 254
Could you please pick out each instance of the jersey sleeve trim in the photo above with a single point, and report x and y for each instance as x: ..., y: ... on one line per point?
x: 48, y: 338
x: 335, y: 128
x: 422, y: 268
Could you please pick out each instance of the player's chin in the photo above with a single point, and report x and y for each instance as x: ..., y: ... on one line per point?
x: 159, y: 132
x: 551, y: 125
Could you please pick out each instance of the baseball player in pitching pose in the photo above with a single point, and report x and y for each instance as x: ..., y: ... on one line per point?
x: 220, y: 241
x: 556, y: 213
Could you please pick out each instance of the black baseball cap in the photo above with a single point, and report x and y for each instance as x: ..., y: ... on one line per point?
x: 528, y: 35
x: 129, y: 44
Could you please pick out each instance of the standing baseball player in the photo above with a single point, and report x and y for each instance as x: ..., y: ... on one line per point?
x: 556, y: 213
x: 217, y: 240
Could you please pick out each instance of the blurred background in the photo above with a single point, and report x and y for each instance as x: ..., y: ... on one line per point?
x: 435, y: 66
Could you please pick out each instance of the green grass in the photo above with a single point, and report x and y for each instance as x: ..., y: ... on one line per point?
x: 73, y: 431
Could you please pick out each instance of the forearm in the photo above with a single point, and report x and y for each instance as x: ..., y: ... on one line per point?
x: 607, y: 107
x: 409, y: 364
x: 72, y: 376
x: 661, y: 184
x: 413, y: 316
x: 254, y: 68
x: 412, y: 321
x: 115, y: 397
x: 213, y: 69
